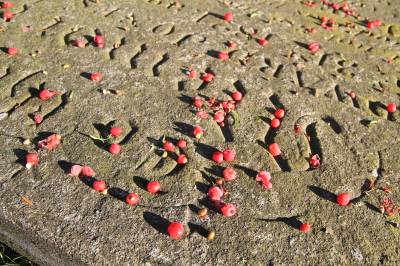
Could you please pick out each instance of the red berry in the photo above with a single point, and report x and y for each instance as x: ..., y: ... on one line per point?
x: 7, y: 15
x: 115, y: 132
x: 232, y: 45
x: 218, y: 157
x: 153, y: 187
x: 324, y: 19
x: 31, y: 159
x: 262, y: 41
x: 6, y: 4
x: 335, y: 7
x: 78, y: 43
x: 274, y: 149
x: 391, y: 107
x: 279, y: 113
x: 191, y: 74
x: 197, y: 102
x: 168, y: 146
x: 95, y: 77
x: 98, y: 39
x: 181, y: 159
x: 181, y: 143
x: 228, y: 210
x: 11, y: 51
x: 314, y: 161
x: 99, y: 185
x: 229, y: 155
x: 176, y: 230
x: 132, y: 199
x: 75, y: 170
x: 305, y: 228
x: 38, y: 119
x: 311, y: 30
x: 237, y: 96
x: 229, y: 174
x: 114, y: 148
x: 215, y: 193
x: 207, y: 77
x: 50, y: 143
x: 275, y: 123
x: 219, y: 116
x: 313, y: 47
x: 223, y: 56
x: 228, y: 17
x: 46, y: 94
x: 343, y: 199
x: 87, y: 171
x: 198, y: 132
x: 264, y: 178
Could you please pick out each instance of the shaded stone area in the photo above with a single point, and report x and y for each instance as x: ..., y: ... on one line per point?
x: 56, y: 219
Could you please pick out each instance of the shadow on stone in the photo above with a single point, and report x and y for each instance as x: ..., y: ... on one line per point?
x: 183, y: 128
x: 65, y: 166
x: 20, y: 154
x: 195, y: 228
x: 118, y: 193
x: 140, y: 182
x: 290, y: 221
x: 205, y: 150
x: 156, y: 221
x: 323, y: 193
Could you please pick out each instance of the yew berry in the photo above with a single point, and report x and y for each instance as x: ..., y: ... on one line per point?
x: 314, y: 161
x: 232, y: 45
x: 264, y: 178
x: 31, y: 159
x: 38, y: 119
x: 99, y: 185
x: 191, y: 73
x: 197, y: 102
x: 87, y: 171
x: 46, y: 94
x: 343, y: 199
x: 114, y: 148
x: 11, y: 51
x: 279, y: 113
x: 262, y: 41
x: 168, y: 146
x: 215, y: 193
x: 78, y: 43
x: 95, y: 77
x: 229, y: 174
x: 237, y: 96
x: 132, y: 199
x: 274, y: 149
x: 7, y: 15
x: 324, y: 19
x: 176, y: 230
x: 391, y: 107
x: 75, y: 170
x: 313, y: 47
x: 181, y: 143
x: 50, y: 143
x: 228, y: 210
x: 98, y: 39
x: 6, y: 4
x: 304, y: 228
x: 115, y: 132
x: 223, y: 56
x: 207, y: 77
x: 153, y: 187
x: 202, y: 114
x: 228, y: 17
x: 275, y: 123
x: 229, y: 155
x: 198, y: 132
x: 219, y: 116
x: 181, y: 159
x: 217, y: 157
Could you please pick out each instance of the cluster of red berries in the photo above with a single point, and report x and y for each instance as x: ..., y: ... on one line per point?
x: 373, y: 23
x: 7, y: 14
x: 169, y: 147
x: 264, y: 178
x: 387, y: 206
x: 327, y: 24
x: 273, y: 148
x: 114, y: 132
x: 344, y: 7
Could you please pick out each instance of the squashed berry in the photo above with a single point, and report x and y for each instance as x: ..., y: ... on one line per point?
x: 50, y: 143
x: 264, y: 178
x: 31, y: 159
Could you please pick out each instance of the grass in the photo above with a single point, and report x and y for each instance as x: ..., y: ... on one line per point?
x: 9, y: 257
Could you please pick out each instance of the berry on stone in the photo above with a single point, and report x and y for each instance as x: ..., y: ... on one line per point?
x: 279, y: 113
x: 343, y: 199
x: 197, y: 102
x: 304, y: 228
x: 198, y: 132
x: 6, y: 4
x: 207, y: 77
x: 115, y: 132
x: 274, y: 149
x: 181, y: 143
x: 78, y: 43
x: 262, y: 41
x: 114, y: 148
x: 275, y: 123
x: 217, y: 157
x: 229, y: 174
x: 153, y: 187
x: 98, y: 39
x: 215, y: 193
x: 176, y: 230
x: 7, y: 15
x: 31, y: 159
x: 75, y: 170
x: 223, y: 56
x: 228, y: 16
x: 313, y: 47
x: 264, y: 178
x: 95, y: 77
x: 99, y: 185
x: 46, y: 94
x: 168, y: 146
x: 228, y: 209
x: 50, y: 143
x: 314, y: 161
x: 229, y: 155
x: 237, y: 96
x: 232, y: 45
x: 37, y: 119
x: 11, y: 51
x: 391, y: 107
x: 132, y: 199
x: 87, y: 171
x: 219, y: 117
x: 181, y: 159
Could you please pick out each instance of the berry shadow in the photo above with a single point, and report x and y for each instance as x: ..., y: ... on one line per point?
x: 216, y: 15
x: 372, y: 207
x: 240, y: 87
x: 21, y: 155
x: 183, y: 128
x: 195, y: 228
x: 293, y: 221
x: 249, y: 172
x: 141, y: 182
x: 4, y: 49
x: 204, y: 150
x: 215, y: 170
x: 118, y: 193
x: 323, y: 193
x: 85, y: 75
x: 65, y: 166
x: 156, y: 221
x: 87, y: 180
x: 186, y: 99
x: 213, y: 53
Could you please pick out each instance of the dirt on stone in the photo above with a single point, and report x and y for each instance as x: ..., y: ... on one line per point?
x: 56, y: 219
